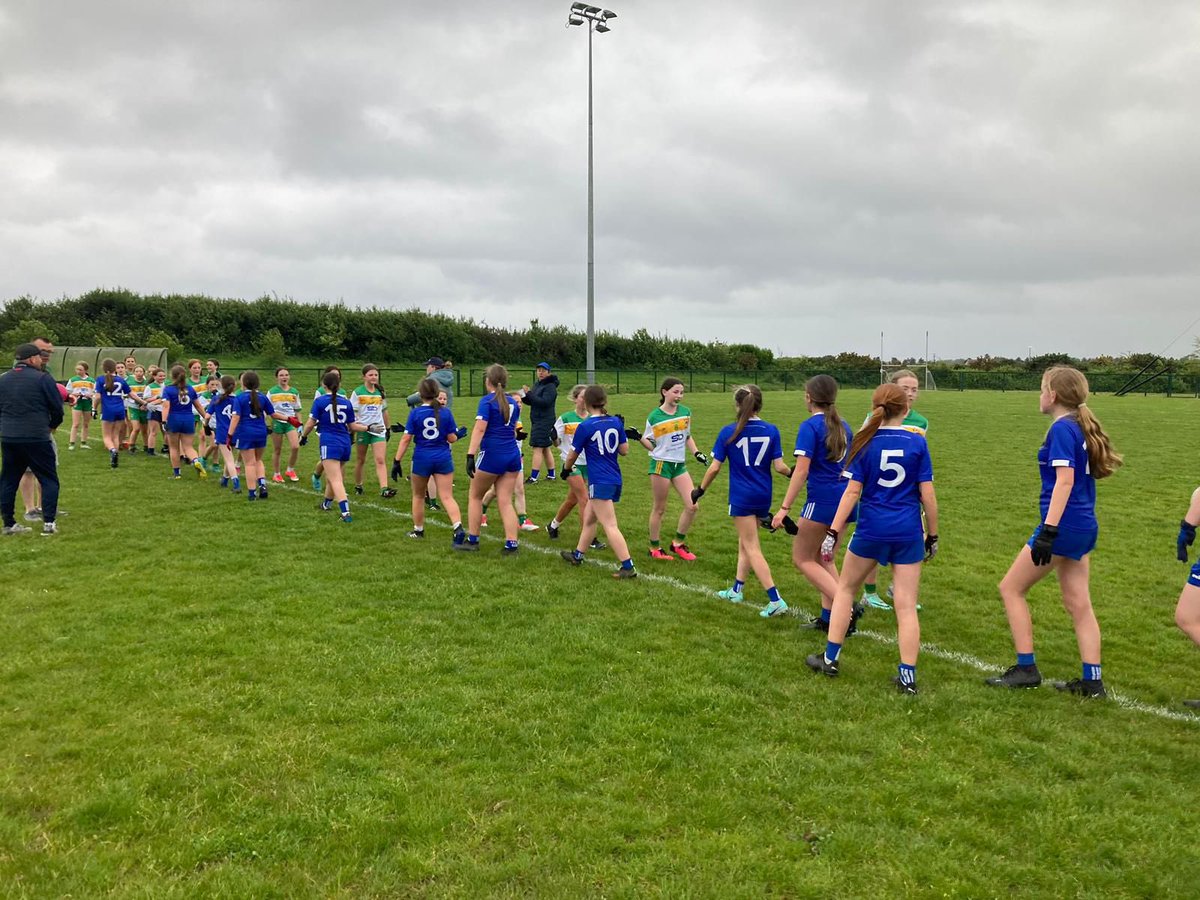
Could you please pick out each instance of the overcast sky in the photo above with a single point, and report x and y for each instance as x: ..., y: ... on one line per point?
x: 798, y: 175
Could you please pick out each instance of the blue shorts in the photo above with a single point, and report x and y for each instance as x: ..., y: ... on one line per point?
x: 824, y: 511
x: 106, y: 416
x: 896, y: 553
x: 757, y: 511
x: 335, y: 448
x: 499, y: 462
x: 1071, y: 544
x: 604, y: 492
x: 180, y: 426
x: 1194, y: 578
x: 250, y: 441
x: 426, y: 464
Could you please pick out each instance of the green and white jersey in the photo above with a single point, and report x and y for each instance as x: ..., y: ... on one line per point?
x: 368, y: 405
x: 81, y: 386
x: 669, y: 432
x: 286, y: 400
x: 565, y: 427
x: 199, y: 386
x: 914, y: 422
x: 134, y: 386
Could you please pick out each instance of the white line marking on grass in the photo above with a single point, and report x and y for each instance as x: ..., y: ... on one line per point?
x: 934, y: 650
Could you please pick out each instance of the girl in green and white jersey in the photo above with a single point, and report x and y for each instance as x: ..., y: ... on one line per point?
x: 369, y: 401
x: 198, y: 382
x: 668, y: 437
x: 80, y: 389
x: 138, y: 418
x: 286, y: 399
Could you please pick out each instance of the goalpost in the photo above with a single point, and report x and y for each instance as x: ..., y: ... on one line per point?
x: 921, y: 370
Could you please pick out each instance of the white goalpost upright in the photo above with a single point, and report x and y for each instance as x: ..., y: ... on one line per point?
x: 921, y: 370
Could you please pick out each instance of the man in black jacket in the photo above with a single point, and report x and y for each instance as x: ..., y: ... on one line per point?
x: 541, y: 399
x: 30, y: 407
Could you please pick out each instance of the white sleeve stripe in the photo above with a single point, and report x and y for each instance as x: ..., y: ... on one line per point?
x: 802, y: 453
x: 1061, y: 462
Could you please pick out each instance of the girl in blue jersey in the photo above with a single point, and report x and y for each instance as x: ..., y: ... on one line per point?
x: 248, y: 430
x: 1187, y: 611
x: 1075, y: 453
x: 179, y: 404
x: 821, y: 446
x: 109, y: 395
x: 753, y: 448
x: 333, y: 416
x: 320, y: 467
x: 890, y: 471
x: 494, y: 445
x: 603, y: 437
x: 220, y: 413
x: 432, y: 429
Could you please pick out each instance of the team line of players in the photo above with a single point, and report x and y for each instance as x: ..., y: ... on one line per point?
x: 881, y: 478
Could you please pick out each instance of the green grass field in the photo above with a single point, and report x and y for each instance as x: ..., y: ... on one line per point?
x: 204, y: 697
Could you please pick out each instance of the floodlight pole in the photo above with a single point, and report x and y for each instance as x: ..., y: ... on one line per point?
x: 596, y: 19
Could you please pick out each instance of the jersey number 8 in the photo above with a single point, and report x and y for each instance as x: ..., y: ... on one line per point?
x: 429, y: 429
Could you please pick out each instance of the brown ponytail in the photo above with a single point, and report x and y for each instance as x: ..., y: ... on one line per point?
x: 1070, y: 389
x: 888, y: 402
x: 596, y: 397
x: 428, y: 390
x: 332, y: 380
x: 748, y: 398
x: 497, y: 376
x: 179, y: 379
x: 250, y: 382
x: 822, y: 391
x: 109, y: 367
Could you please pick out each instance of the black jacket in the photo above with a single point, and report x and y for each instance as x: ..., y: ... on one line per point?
x: 540, y: 398
x: 30, y: 405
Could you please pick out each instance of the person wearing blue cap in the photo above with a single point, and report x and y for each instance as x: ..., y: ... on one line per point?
x: 541, y: 399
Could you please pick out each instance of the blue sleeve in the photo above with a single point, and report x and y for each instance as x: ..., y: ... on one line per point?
x: 481, y: 411
x: 313, y: 412
x: 349, y: 409
x: 267, y: 406
x: 857, y: 470
x: 410, y: 427
x: 806, y: 439
x: 722, y: 443
x: 1062, y: 444
x: 580, y: 438
x: 191, y: 394
x: 449, y: 426
x: 926, y: 471
x: 775, y: 450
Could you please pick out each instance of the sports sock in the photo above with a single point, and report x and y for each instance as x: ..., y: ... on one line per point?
x: 825, y: 614
x: 627, y: 564
x: 472, y: 539
x: 458, y: 526
x: 344, y: 507
x: 1091, y: 671
x: 420, y: 528
x: 869, y: 588
x: 549, y: 473
x: 738, y: 584
x: 262, y: 482
x: 554, y: 523
x: 578, y: 554
x: 1025, y: 659
x: 654, y: 545
x: 908, y: 674
x: 680, y: 537
x: 831, y: 651
x: 521, y: 518
x: 510, y: 545
x: 773, y: 594
x: 533, y: 473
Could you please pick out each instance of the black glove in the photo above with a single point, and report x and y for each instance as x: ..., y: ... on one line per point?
x: 630, y: 432
x: 701, y: 457
x: 470, y: 465
x: 765, y: 522
x: 790, y: 526
x: 397, y: 470
x: 697, y: 493
x: 931, y: 546
x: 566, y: 471
x: 1187, y: 536
x: 461, y: 432
x: 521, y: 435
x: 398, y: 428
x: 303, y: 439
x: 1040, y: 551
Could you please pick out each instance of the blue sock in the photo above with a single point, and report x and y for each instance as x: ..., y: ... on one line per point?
x: 326, y: 504
x: 344, y: 507
x: 472, y: 539
x: 262, y: 482
x: 533, y: 473
x: 773, y: 594
x: 738, y: 584
x: 550, y: 473
x: 908, y: 674
x: 831, y: 651
x: 1091, y: 671
x: 177, y: 470
x: 1025, y: 659
x: 578, y: 554
x: 510, y: 545
x: 628, y: 564
x: 825, y: 614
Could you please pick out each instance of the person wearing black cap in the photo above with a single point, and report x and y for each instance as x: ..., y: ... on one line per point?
x: 437, y: 369
x: 541, y: 399
x: 30, y: 407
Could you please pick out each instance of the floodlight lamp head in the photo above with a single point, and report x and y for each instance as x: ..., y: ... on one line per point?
x: 578, y: 7
x: 575, y: 20
x: 601, y: 28
x: 608, y: 14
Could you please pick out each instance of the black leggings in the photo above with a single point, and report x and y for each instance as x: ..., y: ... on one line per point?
x: 39, y: 456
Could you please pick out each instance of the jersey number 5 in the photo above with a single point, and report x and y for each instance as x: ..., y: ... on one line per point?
x: 886, y: 465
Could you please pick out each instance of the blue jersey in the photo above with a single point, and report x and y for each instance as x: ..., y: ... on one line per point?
x: 1065, y: 446
x: 500, y: 435
x: 891, y: 469
x: 429, y: 432
x: 750, y: 457
x: 601, y: 437
x: 825, y: 483
x: 250, y: 425
x: 178, y: 403
x: 112, y: 402
x: 221, y: 409
x: 332, y: 420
